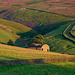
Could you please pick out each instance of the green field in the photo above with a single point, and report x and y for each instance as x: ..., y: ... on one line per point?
x: 10, y: 30
x: 73, y: 31
x: 59, y: 44
x: 70, y: 51
x: 73, y: 28
x: 5, y: 36
x: 15, y: 27
x: 56, y: 32
x: 14, y: 53
x: 60, y: 68
x: 67, y: 32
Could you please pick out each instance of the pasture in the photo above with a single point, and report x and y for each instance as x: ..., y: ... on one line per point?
x: 58, y: 68
x: 17, y: 53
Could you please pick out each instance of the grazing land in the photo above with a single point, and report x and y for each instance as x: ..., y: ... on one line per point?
x: 17, y: 53
x: 58, y: 68
x: 67, y: 33
x: 14, y: 31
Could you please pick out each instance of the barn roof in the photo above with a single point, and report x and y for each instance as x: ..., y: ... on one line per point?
x: 35, y: 45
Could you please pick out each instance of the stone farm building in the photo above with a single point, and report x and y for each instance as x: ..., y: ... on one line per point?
x: 43, y: 47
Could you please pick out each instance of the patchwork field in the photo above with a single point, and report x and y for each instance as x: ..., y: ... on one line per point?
x: 40, y: 21
x: 61, y: 7
x: 21, y: 20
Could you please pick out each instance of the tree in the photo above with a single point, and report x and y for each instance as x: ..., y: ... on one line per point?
x: 39, y: 39
x: 10, y: 42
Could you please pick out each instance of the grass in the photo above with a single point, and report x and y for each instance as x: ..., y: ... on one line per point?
x: 59, y: 43
x: 5, y: 36
x: 67, y: 32
x: 73, y: 31
x: 56, y: 32
x: 15, y: 27
x: 60, y: 68
x: 71, y: 51
x: 14, y: 53
x: 73, y: 28
x: 14, y: 31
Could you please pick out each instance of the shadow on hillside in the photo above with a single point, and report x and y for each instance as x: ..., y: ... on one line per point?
x: 43, y: 29
x: 10, y: 58
x: 25, y: 38
x: 16, y: 61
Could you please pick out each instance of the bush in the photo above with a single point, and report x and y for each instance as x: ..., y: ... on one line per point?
x: 10, y: 42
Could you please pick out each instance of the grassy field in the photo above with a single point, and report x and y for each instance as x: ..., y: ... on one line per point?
x: 73, y: 28
x: 15, y: 27
x: 14, y: 31
x: 70, y: 51
x: 56, y: 32
x: 59, y: 44
x: 5, y: 36
x: 67, y: 32
x: 14, y: 53
x: 73, y: 31
x: 58, y: 68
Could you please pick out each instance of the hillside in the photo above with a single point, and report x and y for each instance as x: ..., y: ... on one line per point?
x: 73, y: 31
x: 47, y: 17
x: 60, y: 7
x: 14, y: 31
x: 14, y: 53
x: 5, y: 36
x: 40, y: 20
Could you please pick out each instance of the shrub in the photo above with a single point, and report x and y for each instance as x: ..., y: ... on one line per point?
x: 10, y: 42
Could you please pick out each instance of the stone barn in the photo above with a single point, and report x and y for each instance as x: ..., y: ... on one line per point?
x: 42, y: 47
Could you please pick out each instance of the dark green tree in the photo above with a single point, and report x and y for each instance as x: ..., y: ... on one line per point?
x: 38, y: 39
x: 10, y: 42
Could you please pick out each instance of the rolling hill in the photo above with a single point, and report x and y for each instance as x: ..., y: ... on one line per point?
x: 14, y: 31
x: 17, y: 53
x: 58, y: 42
